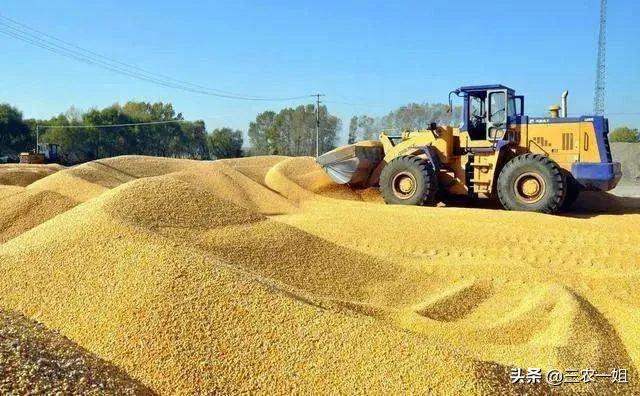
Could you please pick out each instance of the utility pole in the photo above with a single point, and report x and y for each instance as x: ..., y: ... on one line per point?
x: 318, y: 95
x: 600, y: 92
x: 37, y: 138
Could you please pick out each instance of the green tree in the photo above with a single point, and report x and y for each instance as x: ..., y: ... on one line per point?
x: 76, y: 142
x: 261, y: 133
x: 329, y: 127
x: 624, y: 134
x: 225, y: 143
x: 108, y: 141
x: 292, y: 131
x: 196, y: 141
x: 176, y: 139
x: 160, y: 139
x: 14, y: 132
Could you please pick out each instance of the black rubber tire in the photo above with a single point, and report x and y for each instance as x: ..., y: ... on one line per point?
x: 555, y: 183
x: 426, y: 182
x: 573, y: 191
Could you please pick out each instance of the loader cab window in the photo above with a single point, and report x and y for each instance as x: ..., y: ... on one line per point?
x: 511, y: 107
x: 497, y: 107
x: 498, y: 111
x: 477, y: 114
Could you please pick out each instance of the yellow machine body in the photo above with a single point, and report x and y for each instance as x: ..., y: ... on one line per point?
x: 566, y: 143
x: 529, y: 163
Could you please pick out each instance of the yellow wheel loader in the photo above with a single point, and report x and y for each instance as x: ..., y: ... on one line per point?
x: 529, y: 164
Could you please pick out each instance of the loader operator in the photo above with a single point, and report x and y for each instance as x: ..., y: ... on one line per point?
x: 477, y: 126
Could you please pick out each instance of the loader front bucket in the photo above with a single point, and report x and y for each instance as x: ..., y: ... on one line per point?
x: 352, y: 164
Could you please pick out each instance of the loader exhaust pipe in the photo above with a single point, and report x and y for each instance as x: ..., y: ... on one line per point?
x: 564, y: 103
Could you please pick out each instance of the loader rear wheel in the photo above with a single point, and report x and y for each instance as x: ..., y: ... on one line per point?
x: 408, y: 180
x: 533, y: 183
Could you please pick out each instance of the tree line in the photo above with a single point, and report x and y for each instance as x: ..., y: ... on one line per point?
x: 625, y: 134
x: 81, y: 139
x: 292, y: 131
x: 85, y: 136
x: 405, y: 118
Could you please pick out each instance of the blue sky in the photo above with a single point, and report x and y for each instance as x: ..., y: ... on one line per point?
x: 377, y: 54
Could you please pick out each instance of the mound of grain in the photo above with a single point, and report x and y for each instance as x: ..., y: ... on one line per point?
x: 140, y: 166
x: 64, y: 189
x: 252, y: 276
x: 255, y: 168
x: 89, y: 180
x: 25, y: 174
x: 25, y: 209
x: 454, y: 279
x: 35, y: 360
x: 165, y: 202
x: 6, y: 191
x: 181, y: 320
x: 61, y: 191
x: 228, y: 182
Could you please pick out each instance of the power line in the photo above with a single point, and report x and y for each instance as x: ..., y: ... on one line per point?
x: 79, y: 57
x: 26, y: 27
x: 114, y: 125
x: 34, y: 37
x: 38, y: 38
x: 16, y: 23
x: 59, y: 51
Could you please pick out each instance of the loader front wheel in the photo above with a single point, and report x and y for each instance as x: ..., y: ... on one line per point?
x: 408, y: 180
x: 533, y: 183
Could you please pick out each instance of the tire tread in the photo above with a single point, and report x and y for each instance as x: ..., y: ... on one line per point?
x: 425, y: 170
x: 559, y: 193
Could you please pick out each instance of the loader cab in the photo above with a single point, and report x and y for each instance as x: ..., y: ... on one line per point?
x: 488, y: 110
